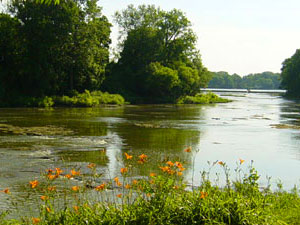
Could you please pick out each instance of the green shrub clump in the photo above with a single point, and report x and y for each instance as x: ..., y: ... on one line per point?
x: 89, y: 99
x: 202, y: 98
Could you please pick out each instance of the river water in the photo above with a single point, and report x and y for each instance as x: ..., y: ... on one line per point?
x: 246, y: 128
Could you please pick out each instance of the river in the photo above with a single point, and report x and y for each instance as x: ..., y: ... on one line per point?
x: 248, y: 128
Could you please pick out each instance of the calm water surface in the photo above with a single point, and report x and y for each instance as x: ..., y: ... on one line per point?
x: 227, y: 132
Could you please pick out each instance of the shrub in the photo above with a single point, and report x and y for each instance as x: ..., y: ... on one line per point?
x: 202, y: 98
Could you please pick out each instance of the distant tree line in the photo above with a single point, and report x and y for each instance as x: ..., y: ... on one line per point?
x: 265, y: 80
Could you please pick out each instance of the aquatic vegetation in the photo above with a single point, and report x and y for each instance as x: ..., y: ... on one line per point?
x: 202, y: 98
x: 162, y: 197
x: 35, y: 131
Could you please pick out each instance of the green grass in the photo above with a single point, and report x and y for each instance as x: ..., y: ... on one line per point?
x: 202, y: 98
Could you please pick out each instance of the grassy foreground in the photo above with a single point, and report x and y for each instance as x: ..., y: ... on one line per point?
x: 159, y: 198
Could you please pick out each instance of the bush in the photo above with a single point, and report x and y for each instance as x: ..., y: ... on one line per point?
x: 201, y: 98
x: 89, y: 99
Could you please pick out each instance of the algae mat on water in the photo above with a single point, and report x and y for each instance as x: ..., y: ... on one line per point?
x: 34, y: 131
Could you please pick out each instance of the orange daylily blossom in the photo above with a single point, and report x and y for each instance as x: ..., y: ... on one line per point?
x: 134, y: 182
x: 91, y: 165
x: 33, y: 183
x: 75, y: 207
x: 178, y: 164
x: 51, y: 176
x: 179, y: 173
x: 118, y: 183
x: 68, y: 176
x: 35, y: 220
x: 119, y: 195
x: 170, y: 163
x: 203, y: 194
x: 58, y: 171
x: 49, y: 171
x: 164, y: 168
x: 128, y: 156
x: 44, y: 198
x: 221, y: 163
x: 6, y: 191
x: 101, y: 187
x: 142, y: 159
x: 48, y: 209
x: 242, y: 161
x: 75, y: 173
x: 51, y: 188
x: 75, y: 188
x: 127, y: 186
x: 181, y: 169
x: 189, y: 149
x: 124, y: 170
x: 152, y: 174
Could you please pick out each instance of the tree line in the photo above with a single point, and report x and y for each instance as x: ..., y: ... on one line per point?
x: 265, y: 80
x: 60, y: 49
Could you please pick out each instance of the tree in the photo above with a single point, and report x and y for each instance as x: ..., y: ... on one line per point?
x: 158, y: 58
x: 290, y: 74
x: 64, y: 48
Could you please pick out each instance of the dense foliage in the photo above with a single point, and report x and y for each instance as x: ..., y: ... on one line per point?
x: 290, y: 74
x: 50, y: 49
x: 265, y: 80
x: 158, y: 61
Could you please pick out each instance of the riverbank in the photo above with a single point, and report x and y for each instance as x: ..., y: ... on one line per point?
x: 97, y: 98
x: 159, y: 198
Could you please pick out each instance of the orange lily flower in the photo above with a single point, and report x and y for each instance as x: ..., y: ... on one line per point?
x: 51, y: 188
x: 35, y: 220
x: 75, y: 188
x: 170, y: 163
x: 119, y: 195
x: 33, y: 183
x: 44, y: 198
x: 75, y: 173
x: 124, y: 170
x: 128, y: 156
x: 101, y: 187
x: 58, y: 171
x: 152, y: 174
x: 189, y: 149
x: 91, y: 165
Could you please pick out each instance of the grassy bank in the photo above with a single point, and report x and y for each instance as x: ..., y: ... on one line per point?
x: 159, y: 198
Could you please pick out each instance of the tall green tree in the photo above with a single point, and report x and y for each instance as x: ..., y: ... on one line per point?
x: 64, y: 47
x: 158, y: 58
x: 290, y: 74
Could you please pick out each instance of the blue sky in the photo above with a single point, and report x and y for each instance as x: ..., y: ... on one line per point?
x: 237, y: 36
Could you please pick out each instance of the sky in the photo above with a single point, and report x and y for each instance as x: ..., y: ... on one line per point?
x: 237, y: 36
